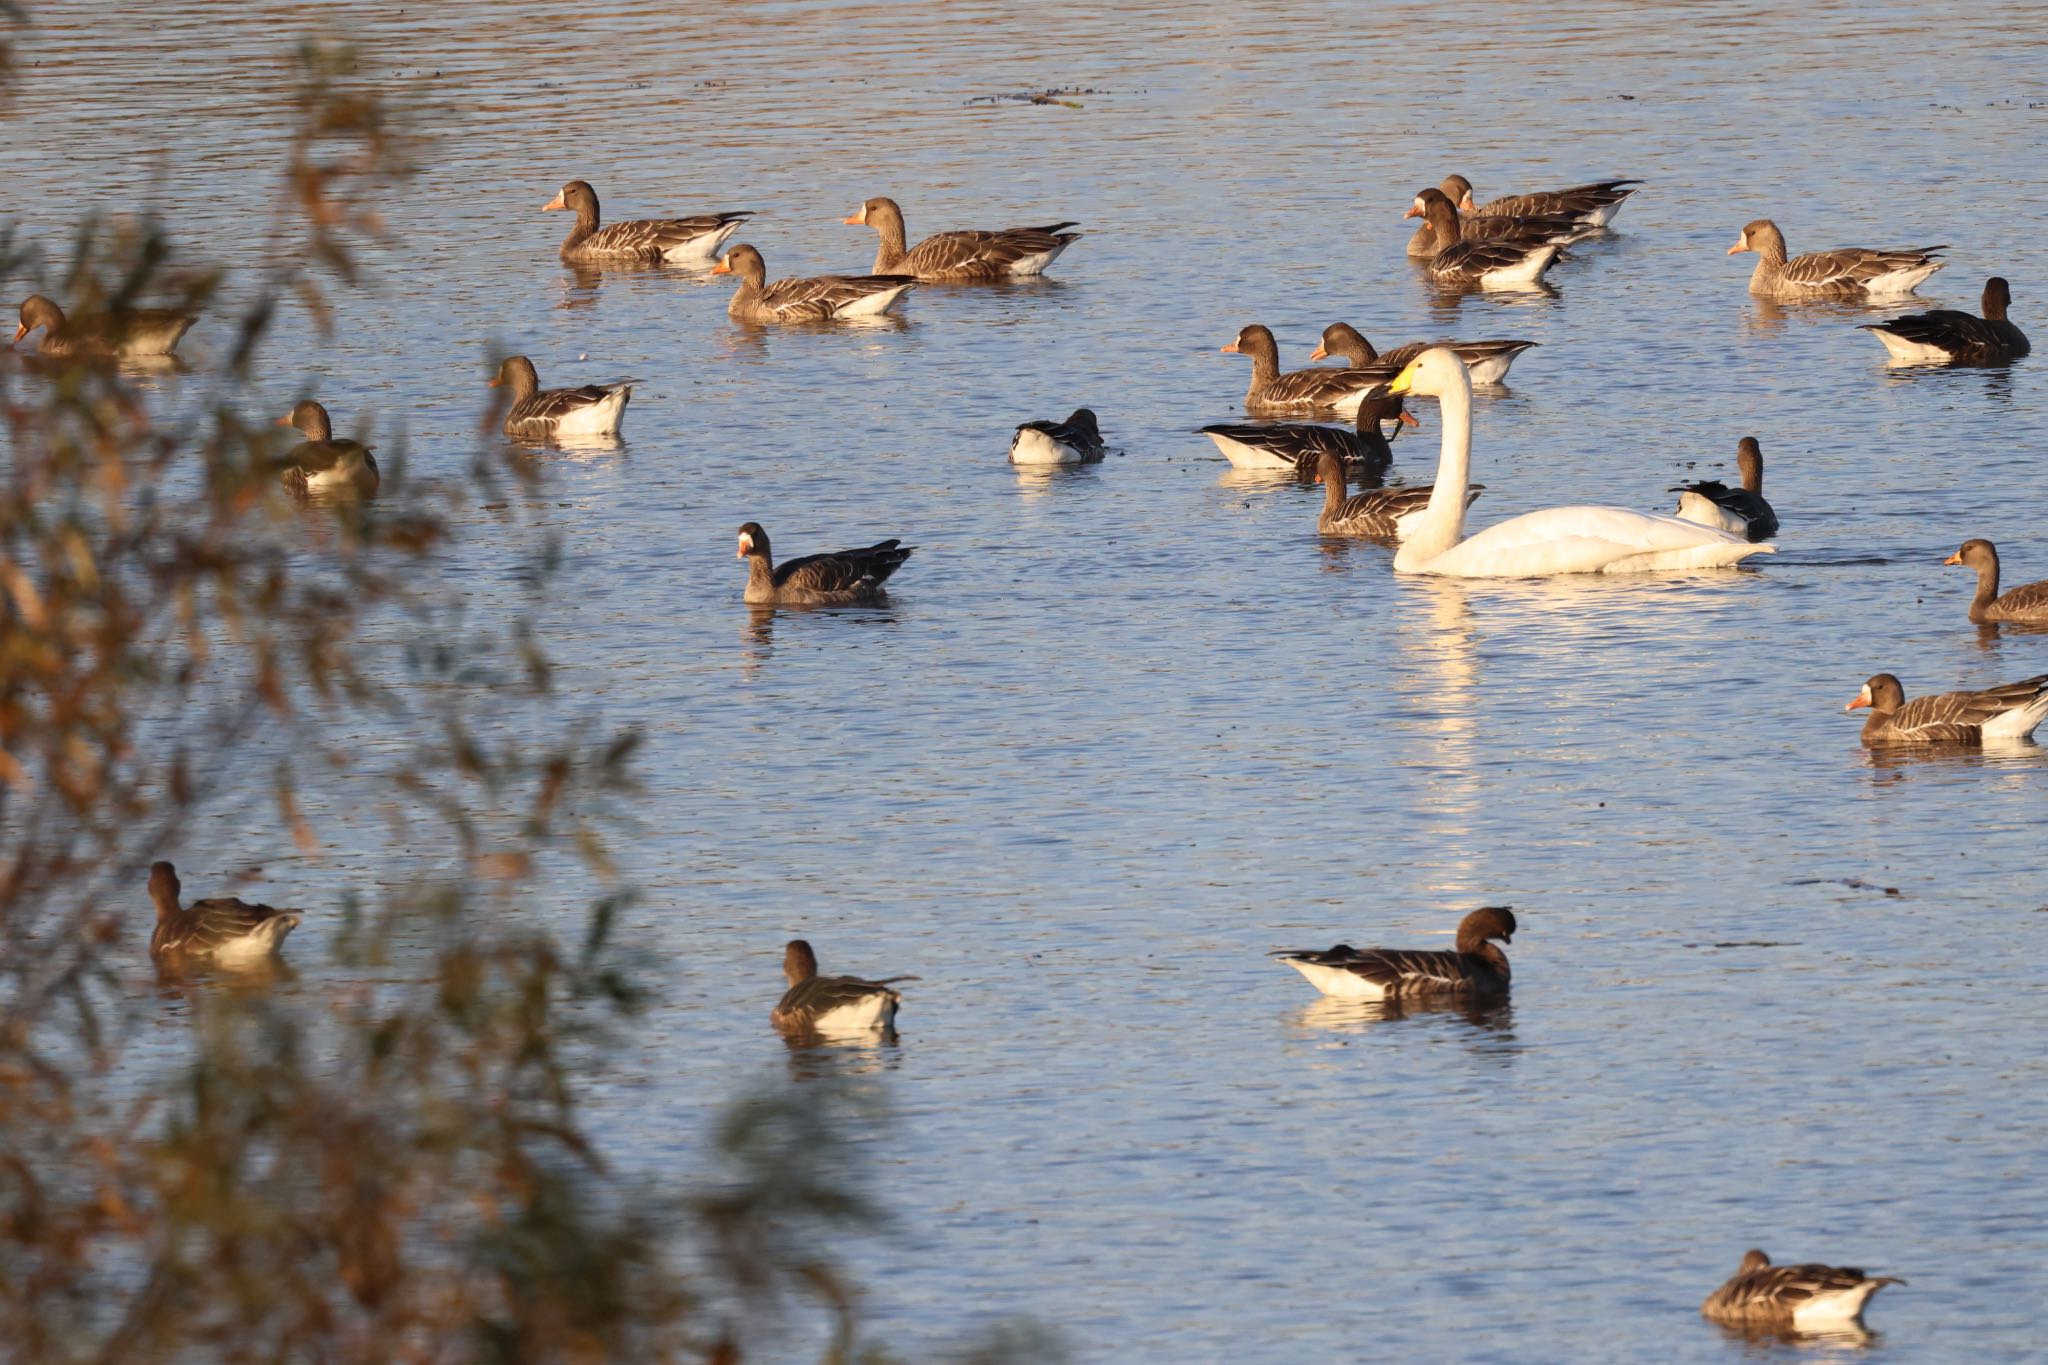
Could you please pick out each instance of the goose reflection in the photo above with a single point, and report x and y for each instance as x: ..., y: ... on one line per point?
x: 1329, y: 1014
x: 819, y: 1059
x: 1039, y: 480
x: 1768, y: 1339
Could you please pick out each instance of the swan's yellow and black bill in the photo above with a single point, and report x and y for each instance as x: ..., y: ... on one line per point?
x: 1406, y: 379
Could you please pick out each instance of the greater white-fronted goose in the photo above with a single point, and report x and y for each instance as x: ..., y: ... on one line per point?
x: 1488, y: 263
x: 679, y: 241
x: 1476, y: 968
x: 1298, y: 446
x: 1946, y: 336
x: 126, y: 334
x: 1322, y: 390
x: 230, y: 932
x: 819, y: 298
x: 843, y: 579
x: 1487, y: 360
x: 540, y: 414
x: 1800, y: 1297
x: 831, y: 1004
x: 1005, y: 254
x: 1078, y: 440
x: 1376, y: 513
x: 1594, y: 204
x: 1845, y: 272
x: 1428, y: 241
x: 321, y: 464
x: 2026, y: 604
x: 2003, y: 713
x: 1739, y: 511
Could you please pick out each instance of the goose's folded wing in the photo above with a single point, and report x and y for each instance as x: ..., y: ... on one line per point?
x: 656, y: 236
x: 843, y: 569
x: 1303, y: 443
x: 1966, y: 715
x: 984, y: 253
x: 208, y: 924
x: 1944, y: 328
x: 2031, y: 598
x: 552, y: 405
x: 1325, y: 387
x: 1576, y: 202
x: 1487, y: 254
x: 823, y: 296
x: 1851, y: 266
x: 821, y: 995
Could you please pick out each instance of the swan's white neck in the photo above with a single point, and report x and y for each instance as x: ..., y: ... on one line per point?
x: 1442, y: 523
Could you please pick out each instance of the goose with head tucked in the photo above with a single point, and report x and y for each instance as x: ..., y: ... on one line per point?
x: 1994, y: 715
x: 2024, y: 605
x: 224, y: 931
x: 831, y: 1005
x: 1739, y: 511
x: 1515, y: 262
x: 538, y: 414
x: 1428, y: 240
x: 1558, y: 540
x: 1798, y: 1297
x: 1298, y: 446
x: 321, y: 464
x: 1377, y: 513
x: 844, y: 578
x: 1003, y: 254
x: 1948, y: 337
x: 1476, y: 968
x: 675, y: 241
x: 126, y: 334
x: 1594, y: 204
x: 1847, y: 272
x: 1078, y: 440
x: 1315, y: 390
x: 1487, y: 360
x: 819, y: 298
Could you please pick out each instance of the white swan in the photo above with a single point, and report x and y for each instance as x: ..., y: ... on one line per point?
x: 1554, y: 541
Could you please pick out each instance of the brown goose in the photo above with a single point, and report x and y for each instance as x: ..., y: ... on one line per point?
x: 1946, y: 336
x: 1301, y: 390
x: 1738, y: 511
x: 539, y: 414
x: 1487, y: 360
x: 227, y: 931
x: 1297, y: 446
x: 1594, y: 204
x: 321, y: 464
x: 1476, y: 968
x: 1802, y: 1297
x: 820, y: 298
x: 847, y: 578
x: 1006, y: 254
x: 1376, y: 513
x: 1489, y: 263
x: 831, y: 1004
x: 2027, y: 604
x: 1559, y: 228
x: 128, y: 333
x: 1844, y: 272
x: 1999, y: 713
x: 1078, y: 440
x: 680, y: 241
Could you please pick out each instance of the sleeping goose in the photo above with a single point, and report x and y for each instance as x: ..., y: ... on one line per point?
x: 230, y: 932
x: 2026, y: 604
x: 843, y: 579
x: 1375, y: 513
x: 1487, y: 360
x: 1299, y: 445
x: 1559, y: 228
x: 1844, y: 272
x: 1301, y: 390
x: 831, y: 1004
x: 1999, y: 713
x: 1475, y: 968
x: 321, y: 464
x: 552, y: 414
x: 1740, y: 511
x: 125, y: 334
x: 1802, y: 1297
x: 1075, y: 441
x: 1005, y: 254
x: 820, y: 298
x: 679, y: 241
x: 1594, y: 204
x: 1945, y: 336
x: 1489, y: 263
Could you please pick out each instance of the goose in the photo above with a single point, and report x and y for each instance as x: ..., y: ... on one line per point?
x: 2027, y: 604
x: 1488, y: 360
x: 1844, y: 272
x: 321, y: 464
x: 1803, y: 1297
x: 1998, y: 713
x: 1554, y: 541
x: 1738, y: 511
x: 679, y: 241
x: 1301, y: 390
x: 552, y: 414
x: 1427, y: 241
x: 1298, y: 445
x: 846, y: 578
x: 1489, y: 263
x: 1005, y: 254
x: 1945, y: 335
x: 820, y: 298
x: 1475, y: 968
x: 230, y: 932
x: 1376, y: 513
x: 1078, y: 440
x: 127, y: 333
x: 1594, y: 204
x: 831, y: 1004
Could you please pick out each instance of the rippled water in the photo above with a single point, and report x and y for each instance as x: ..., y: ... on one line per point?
x: 1124, y: 730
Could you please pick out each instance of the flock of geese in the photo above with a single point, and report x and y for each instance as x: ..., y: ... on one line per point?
x: 1505, y: 244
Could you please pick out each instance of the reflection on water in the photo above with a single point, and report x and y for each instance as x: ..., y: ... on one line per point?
x: 1330, y: 1015
x: 1785, y: 1341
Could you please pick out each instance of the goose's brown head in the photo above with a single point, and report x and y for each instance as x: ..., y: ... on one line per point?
x: 311, y: 421
x: 799, y: 963
x: 753, y: 541
x: 1881, y: 694
x: 1977, y: 554
x: 164, y: 888
x: 574, y: 197
x: 37, y: 311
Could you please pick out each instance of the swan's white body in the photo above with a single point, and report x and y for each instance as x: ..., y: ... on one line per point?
x: 1557, y: 540
x: 1704, y: 511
